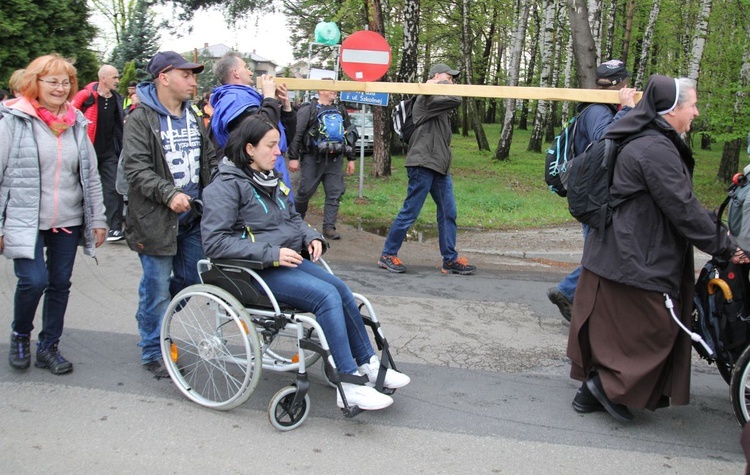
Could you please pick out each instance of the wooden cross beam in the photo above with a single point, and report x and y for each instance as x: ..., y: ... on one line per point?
x: 464, y: 90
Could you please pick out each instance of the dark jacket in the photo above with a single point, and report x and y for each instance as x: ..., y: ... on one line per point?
x: 430, y: 145
x: 242, y: 219
x: 151, y: 226
x: 307, y: 120
x: 649, y: 241
x: 86, y: 100
x: 593, y: 121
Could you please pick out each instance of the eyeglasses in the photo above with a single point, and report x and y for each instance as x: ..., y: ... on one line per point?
x: 55, y: 84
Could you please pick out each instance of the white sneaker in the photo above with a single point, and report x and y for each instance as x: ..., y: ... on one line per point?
x: 393, y: 379
x: 367, y: 398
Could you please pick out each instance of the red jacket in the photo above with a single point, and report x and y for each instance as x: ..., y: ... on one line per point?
x: 87, y: 101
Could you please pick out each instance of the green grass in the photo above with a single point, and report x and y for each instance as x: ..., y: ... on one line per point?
x: 491, y: 194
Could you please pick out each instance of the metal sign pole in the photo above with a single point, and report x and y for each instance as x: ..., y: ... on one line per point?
x: 362, y: 154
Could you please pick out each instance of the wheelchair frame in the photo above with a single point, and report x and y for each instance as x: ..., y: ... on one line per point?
x: 218, y: 336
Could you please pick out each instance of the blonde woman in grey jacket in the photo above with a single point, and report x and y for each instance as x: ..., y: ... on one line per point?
x: 50, y: 196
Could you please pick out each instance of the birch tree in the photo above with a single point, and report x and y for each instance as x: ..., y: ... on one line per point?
x: 548, y: 48
x: 381, y: 151
x: 595, y: 23
x: 648, y: 37
x: 506, y: 135
x: 699, y: 39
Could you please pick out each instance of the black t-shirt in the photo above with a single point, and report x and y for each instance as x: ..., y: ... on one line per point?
x: 105, y: 126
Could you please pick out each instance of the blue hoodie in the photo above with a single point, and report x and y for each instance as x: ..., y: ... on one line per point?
x: 229, y: 101
x: 181, y: 140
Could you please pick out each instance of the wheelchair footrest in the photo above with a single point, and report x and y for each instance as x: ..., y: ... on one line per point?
x: 351, y: 411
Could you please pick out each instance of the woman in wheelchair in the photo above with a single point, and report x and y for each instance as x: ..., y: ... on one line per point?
x: 247, y: 215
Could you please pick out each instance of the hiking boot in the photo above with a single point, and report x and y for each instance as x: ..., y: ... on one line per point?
x: 393, y: 379
x: 52, y: 359
x: 115, y: 235
x: 585, y: 402
x: 20, y: 356
x: 365, y: 397
x: 157, y: 368
x: 619, y: 411
x: 392, y: 264
x: 460, y: 266
x: 330, y: 233
x: 556, y: 297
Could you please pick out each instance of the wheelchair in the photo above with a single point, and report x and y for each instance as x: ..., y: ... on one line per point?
x: 218, y: 336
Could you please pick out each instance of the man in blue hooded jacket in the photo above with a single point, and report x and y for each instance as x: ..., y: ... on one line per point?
x: 167, y: 161
x: 236, y: 99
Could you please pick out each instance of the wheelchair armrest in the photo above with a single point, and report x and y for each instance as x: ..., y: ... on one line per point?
x: 245, y: 263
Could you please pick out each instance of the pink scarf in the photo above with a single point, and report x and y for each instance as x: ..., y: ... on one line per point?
x: 57, y: 125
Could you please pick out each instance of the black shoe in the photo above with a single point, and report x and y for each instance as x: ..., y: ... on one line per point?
x: 556, y: 297
x: 115, y: 235
x: 330, y: 233
x: 618, y: 411
x: 459, y: 266
x: 20, y: 356
x: 157, y: 368
x: 584, y: 402
x: 53, y: 360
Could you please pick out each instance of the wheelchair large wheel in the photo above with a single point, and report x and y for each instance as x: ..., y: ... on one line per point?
x: 209, y: 349
x: 282, y: 414
x: 739, y: 392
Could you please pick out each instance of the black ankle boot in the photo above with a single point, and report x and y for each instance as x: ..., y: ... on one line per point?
x: 19, y: 357
x: 52, y: 359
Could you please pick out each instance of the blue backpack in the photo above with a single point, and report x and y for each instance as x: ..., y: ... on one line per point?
x: 330, y: 126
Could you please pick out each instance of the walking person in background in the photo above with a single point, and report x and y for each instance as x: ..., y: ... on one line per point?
x: 428, y: 163
x: 321, y: 143
x: 592, y: 122
x: 167, y: 160
x: 102, y: 106
x: 624, y: 345
x: 51, y: 198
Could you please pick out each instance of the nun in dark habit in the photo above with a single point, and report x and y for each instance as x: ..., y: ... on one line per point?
x: 623, y: 344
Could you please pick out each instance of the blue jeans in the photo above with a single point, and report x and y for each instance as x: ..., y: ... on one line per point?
x: 440, y: 187
x: 163, y: 278
x: 51, y: 279
x: 311, y: 288
x: 568, y: 285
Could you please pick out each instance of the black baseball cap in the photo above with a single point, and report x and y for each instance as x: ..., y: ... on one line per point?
x: 165, y: 61
x: 442, y: 68
x: 611, y: 73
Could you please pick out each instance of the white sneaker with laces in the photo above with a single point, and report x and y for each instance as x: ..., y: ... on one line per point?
x: 393, y: 379
x: 365, y: 397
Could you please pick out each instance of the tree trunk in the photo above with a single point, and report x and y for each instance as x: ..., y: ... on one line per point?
x: 648, y: 37
x: 565, y: 114
x: 523, y: 118
x: 584, y: 49
x: 609, y: 27
x: 730, y: 160
x: 628, y: 30
x: 699, y: 39
x: 381, y: 150
x: 471, y: 102
x: 506, y: 135
x: 595, y: 21
x: 548, y: 50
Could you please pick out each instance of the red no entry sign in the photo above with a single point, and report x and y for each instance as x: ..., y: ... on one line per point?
x: 365, y: 56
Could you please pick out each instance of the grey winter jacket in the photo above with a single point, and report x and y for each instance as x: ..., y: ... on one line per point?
x: 151, y: 226
x: 20, y: 181
x: 648, y: 242
x: 242, y: 220
x: 430, y: 145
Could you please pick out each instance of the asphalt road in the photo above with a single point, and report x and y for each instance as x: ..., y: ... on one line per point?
x: 490, y: 392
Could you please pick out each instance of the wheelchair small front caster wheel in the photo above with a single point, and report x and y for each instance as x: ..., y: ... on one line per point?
x: 282, y: 414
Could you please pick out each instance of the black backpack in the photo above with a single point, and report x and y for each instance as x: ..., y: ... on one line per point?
x: 403, y: 123
x: 589, y: 177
